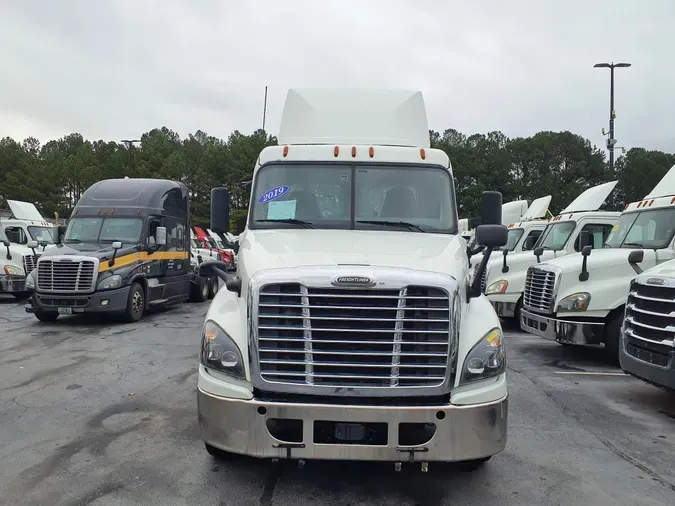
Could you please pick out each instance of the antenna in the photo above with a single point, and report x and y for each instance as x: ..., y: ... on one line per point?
x: 264, y: 110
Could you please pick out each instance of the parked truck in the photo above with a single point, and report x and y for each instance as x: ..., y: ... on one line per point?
x: 580, y: 299
x: 126, y: 248
x: 349, y: 330
x: 505, y: 277
x: 647, y: 348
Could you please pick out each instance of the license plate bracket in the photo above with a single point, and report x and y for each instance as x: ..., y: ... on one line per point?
x: 350, y: 432
x: 65, y: 310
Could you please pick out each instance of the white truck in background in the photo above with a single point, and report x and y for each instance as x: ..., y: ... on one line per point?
x: 524, y: 229
x: 647, y: 348
x: 580, y: 299
x: 504, y: 282
x: 350, y: 330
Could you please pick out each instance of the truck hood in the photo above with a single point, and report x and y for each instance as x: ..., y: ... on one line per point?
x: 270, y: 249
x: 104, y: 251
x: 598, y: 259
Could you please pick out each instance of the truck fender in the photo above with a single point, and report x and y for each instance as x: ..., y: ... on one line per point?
x: 229, y: 312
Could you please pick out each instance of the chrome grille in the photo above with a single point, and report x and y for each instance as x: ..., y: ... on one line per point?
x: 353, y: 338
x: 483, y: 280
x: 29, y: 262
x: 538, y: 293
x: 650, y: 324
x: 66, y: 275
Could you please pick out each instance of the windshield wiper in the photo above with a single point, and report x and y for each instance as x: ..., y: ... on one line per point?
x: 75, y: 241
x: 633, y: 245
x: 292, y: 221
x: 409, y: 226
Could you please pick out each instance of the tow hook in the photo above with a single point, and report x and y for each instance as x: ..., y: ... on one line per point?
x: 397, y: 467
x: 425, y: 467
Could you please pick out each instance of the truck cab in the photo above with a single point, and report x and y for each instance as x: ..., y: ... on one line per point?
x: 647, y: 349
x: 581, y: 299
x: 350, y: 330
x: 125, y: 249
x: 505, y: 278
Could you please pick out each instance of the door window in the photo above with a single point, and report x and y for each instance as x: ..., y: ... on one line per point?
x: 599, y: 233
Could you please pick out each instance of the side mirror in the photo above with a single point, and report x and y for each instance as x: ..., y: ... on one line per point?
x: 636, y: 257
x: 220, y: 210
x: 505, y: 268
x: 117, y: 245
x: 32, y: 244
x: 585, y: 253
x: 538, y: 252
x: 585, y: 239
x: 160, y: 236
x: 218, y: 268
x: 490, y: 209
x: 60, y: 233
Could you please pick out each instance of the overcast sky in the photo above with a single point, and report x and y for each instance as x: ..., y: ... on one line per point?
x: 115, y: 69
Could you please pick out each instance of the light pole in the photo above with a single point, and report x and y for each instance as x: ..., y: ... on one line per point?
x: 611, y: 141
x: 129, y: 143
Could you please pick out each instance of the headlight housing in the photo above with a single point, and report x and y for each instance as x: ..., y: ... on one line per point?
x: 114, y: 281
x: 30, y: 279
x: 486, y: 359
x: 497, y: 287
x: 575, y: 302
x: 220, y: 352
x: 13, y: 270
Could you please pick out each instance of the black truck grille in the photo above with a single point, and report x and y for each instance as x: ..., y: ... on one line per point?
x: 353, y: 337
x: 650, y: 320
x: 64, y: 276
x: 538, y: 292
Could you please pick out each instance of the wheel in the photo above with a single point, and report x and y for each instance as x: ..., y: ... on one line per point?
x: 213, y: 287
x: 135, y: 304
x: 516, y: 313
x: 199, y: 289
x: 613, y: 337
x: 217, y: 453
x: 21, y: 295
x: 45, y: 316
x: 472, y: 465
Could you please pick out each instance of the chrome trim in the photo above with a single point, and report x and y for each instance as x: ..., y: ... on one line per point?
x: 388, y: 278
x: 557, y: 274
x: 72, y: 259
x: 465, y: 433
x: 29, y: 263
x: 562, y: 331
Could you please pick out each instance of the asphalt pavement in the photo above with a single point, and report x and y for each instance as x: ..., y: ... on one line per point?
x: 104, y: 413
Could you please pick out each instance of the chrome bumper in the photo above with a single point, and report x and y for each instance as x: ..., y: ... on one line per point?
x: 12, y: 283
x: 243, y: 427
x: 504, y: 309
x: 562, y: 331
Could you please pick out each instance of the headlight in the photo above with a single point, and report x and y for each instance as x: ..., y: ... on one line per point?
x: 30, y: 279
x: 575, y: 302
x: 220, y: 352
x: 13, y: 270
x: 114, y: 281
x: 497, y: 287
x: 486, y: 359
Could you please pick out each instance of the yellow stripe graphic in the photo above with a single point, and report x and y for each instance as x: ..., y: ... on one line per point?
x: 142, y: 256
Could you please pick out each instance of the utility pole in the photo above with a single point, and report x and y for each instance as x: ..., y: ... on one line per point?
x: 129, y: 143
x: 611, y: 141
x: 264, y: 110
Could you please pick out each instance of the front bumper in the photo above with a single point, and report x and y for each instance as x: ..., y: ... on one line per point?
x: 653, y: 366
x: 462, y: 432
x: 562, y: 331
x: 12, y: 284
x: 107, y: 301
x: 504, y: 309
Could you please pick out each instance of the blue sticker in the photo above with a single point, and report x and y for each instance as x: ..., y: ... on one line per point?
x: 273, y: 194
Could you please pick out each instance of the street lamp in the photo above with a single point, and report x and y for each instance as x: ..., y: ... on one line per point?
x: 129, y: 142
x: 611, y: 141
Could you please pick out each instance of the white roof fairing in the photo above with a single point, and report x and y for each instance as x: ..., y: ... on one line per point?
x: 665, y: 187
x: 24, y: 211
x: 354, y: 116
x: 538, y: 208
x: 591, y: 199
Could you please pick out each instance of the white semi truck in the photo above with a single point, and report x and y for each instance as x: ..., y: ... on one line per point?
x: 648, y: 334
x: 350, y: 330
x: 580, y: 299
x: 579, y: 224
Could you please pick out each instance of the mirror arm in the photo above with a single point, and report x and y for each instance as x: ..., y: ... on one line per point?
x: 505, y: 268
x: 9, y: 255
x: 584, y: 275
x: 636, y: 268
x: 474, y: 288
x: 111, y: 262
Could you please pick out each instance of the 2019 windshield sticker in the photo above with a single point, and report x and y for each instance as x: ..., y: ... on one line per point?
x: 273, y: 194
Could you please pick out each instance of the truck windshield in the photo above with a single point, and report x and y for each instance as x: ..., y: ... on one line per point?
x: 104, y: 230
x: 513, y: 237
x: 375, y: 197
x: 651, y: 229
x: 42, y: 234
x: 555, y: 235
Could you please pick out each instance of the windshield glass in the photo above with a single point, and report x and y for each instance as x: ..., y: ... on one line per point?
x: 651, y: 229
x: 125, y: 230
x: 322, y: 195
x: 555, y: 235
x: 513, y: 237
x: 42, y: 234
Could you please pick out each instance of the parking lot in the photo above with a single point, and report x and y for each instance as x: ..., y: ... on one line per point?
x: 98, y: 412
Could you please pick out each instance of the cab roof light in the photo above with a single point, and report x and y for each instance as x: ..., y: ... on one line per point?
x: 285, y: 152
x: 353, y: 151
x: 371, y: 153
x: 423, y: 154
x: 336, y: 151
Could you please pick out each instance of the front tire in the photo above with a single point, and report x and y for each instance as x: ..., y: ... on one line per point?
x: 45, y: 316
x: 213, y: 287
x: 135, y: 304
x: 217, y: 452
x: 199, y: 289
x: 472, y: 465
x: 613, y: 337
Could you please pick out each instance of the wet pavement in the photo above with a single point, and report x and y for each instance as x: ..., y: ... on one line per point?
x: 104, y: 413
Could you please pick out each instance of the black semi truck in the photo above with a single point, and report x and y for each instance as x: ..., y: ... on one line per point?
x: 126, y: 248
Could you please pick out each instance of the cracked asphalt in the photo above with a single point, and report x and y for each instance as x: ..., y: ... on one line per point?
x: 103, y: 413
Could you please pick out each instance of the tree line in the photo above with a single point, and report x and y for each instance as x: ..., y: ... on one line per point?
x: 53, y: 176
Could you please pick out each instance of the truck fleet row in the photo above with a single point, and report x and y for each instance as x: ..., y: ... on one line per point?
x: 359, y: 318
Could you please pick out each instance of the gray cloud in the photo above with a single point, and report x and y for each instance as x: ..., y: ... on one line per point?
x: 118, y: 68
